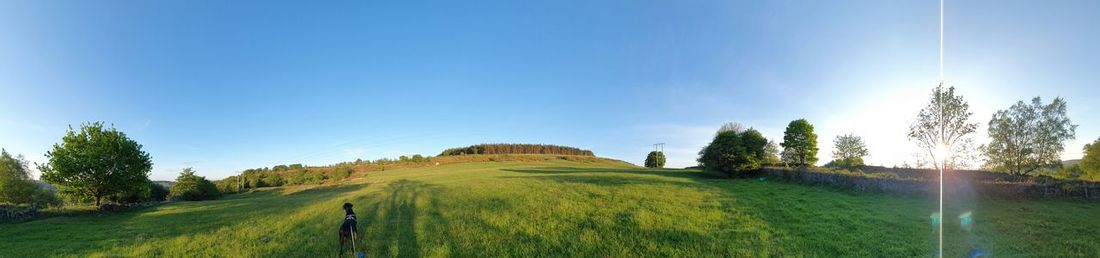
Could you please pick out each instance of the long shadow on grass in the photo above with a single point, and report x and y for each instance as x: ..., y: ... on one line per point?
x: 398, y: 216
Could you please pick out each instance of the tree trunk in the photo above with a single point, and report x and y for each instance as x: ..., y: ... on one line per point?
x: 97, y: 197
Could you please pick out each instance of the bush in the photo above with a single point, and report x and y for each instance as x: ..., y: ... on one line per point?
x: 655, y: 159
x: 191, y: 187
x: 340, y: 173
x: 733, y: 152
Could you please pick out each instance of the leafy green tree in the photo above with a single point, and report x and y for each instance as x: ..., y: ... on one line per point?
x: 191, y: 187
x: 800, y: 140
x: 849, y: 151
x: 655, y: 159
x: 771, y: 153
x: 15, y: 180
x: 944, y: 125
x: 1072, y: 171
x: 733, y: 152
x: 1026, y: 137
x: 1090, y: 163
x: 96, y: 162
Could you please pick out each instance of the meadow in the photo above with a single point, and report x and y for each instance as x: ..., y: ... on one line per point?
x: 563, y: 208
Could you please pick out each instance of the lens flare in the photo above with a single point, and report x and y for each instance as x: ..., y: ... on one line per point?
x: 965, y: 220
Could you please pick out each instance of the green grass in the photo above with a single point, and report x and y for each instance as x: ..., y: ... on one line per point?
x: 563, y: 208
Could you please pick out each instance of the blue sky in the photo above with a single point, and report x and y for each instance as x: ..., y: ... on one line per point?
x: 224, y: 86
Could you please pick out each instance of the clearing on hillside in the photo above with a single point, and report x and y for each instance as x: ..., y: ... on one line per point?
x: 561, y: 208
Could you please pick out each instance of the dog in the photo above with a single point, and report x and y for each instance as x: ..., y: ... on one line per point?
x: 349, y: 230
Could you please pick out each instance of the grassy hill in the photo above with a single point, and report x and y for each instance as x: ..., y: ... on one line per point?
x: 557, y: 207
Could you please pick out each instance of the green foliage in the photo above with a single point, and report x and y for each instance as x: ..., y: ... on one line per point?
x: 655, y: 159
x: 733, y: 152
x: 341, y: 173
x: 516, y: 149
x: 97, y: 162
x: 771, y: 153
x: 191, y: 187
x: 305, y: 177
x: 158, y: 192
x: 1071, y: 172
x: 1090, y: 163
x: 944, y: 122
x: 1026, y: 138
x: 150, y: 192
x: 16, y: 186
x: 800, y: 141
x: 848, y: 151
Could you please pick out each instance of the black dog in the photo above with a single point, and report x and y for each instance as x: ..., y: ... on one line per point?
x: 349, y: 231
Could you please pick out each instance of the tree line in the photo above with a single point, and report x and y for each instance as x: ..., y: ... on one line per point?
x: 1023, y: 139
x: 516, y: 149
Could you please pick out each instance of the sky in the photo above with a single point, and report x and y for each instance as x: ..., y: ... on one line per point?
x: 222, y: 86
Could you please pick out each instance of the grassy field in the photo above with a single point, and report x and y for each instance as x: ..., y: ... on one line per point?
x: 563, y: 208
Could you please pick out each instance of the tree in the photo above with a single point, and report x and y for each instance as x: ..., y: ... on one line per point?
x: 787, y: 158
x: 733, y: 152
x: 96, y: 162
x: 771, y: 153
x: 15, y: 181
x: 849, y: 151
x: 655, y: 159
x: 731, y: 127
x: 800, y: 140
x: 1025, y: 137
x: 1072, y: 171
x: 191, y: 187
x: 1090, y: 163
x: 943, y: 127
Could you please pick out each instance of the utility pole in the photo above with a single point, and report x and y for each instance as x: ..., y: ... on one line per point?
x: 659, y: 147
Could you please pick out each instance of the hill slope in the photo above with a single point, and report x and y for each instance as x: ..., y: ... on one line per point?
x: 561, y: 208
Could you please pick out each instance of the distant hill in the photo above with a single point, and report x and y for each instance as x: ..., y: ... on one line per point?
x: 164, y: 183
x: 1066, y: 163
x: 506, y: 148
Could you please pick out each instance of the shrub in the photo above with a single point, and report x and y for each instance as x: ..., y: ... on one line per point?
x: 191, y: 187
x: 733, y: 152
x: 340, y: 173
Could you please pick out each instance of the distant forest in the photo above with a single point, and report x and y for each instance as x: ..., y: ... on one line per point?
x: 516, y: 149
